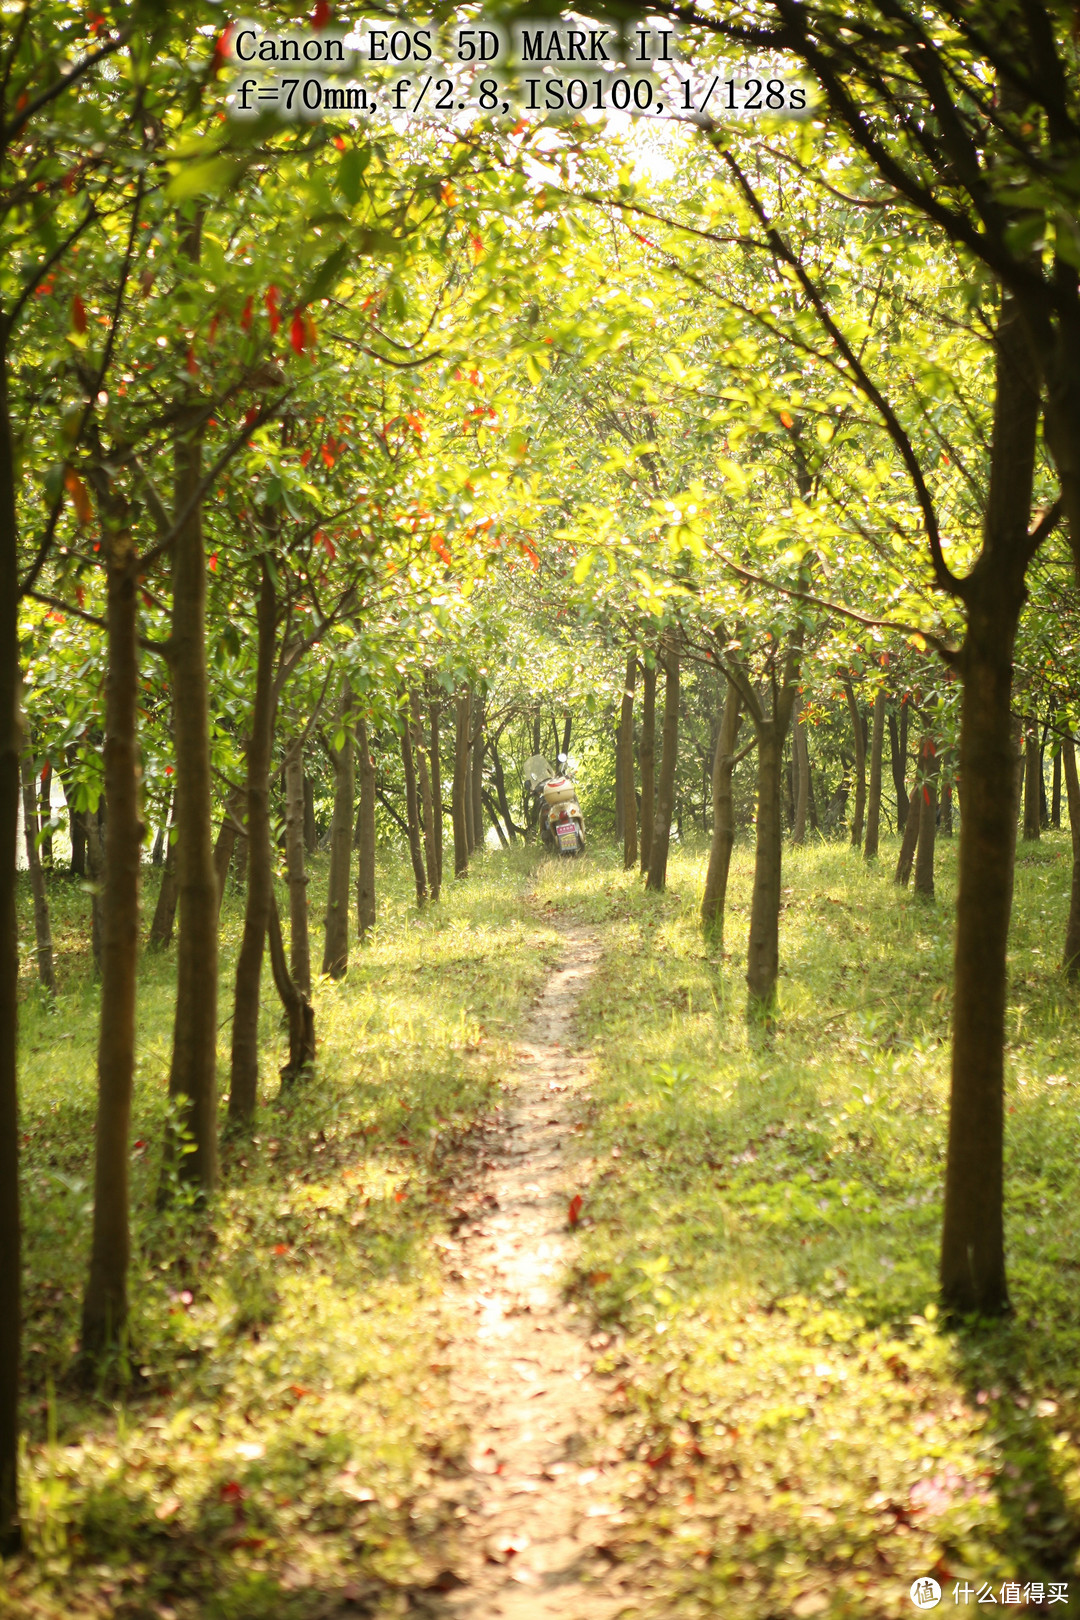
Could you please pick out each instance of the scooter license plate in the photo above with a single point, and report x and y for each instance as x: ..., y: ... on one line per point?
x: 566, y: 833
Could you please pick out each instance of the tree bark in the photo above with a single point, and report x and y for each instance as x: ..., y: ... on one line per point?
x: 467, y: 795
x: 723, y: 819
x: 244, y: 1076
x: 42, y: 923
x: 299, y: 937
x: 299, y: 1012
x: 928, y: 805
x: 44, y: 793
x: 763, y: 947
x: 225, y: 843
x: 193, y: 1071
x: 365, y: 858
x: 972, y: 1247
x: 912, y: 819
x: 800, y: 751
x: 412, y: 806
x: 859, y: 737
x: 1071, y: 956
x: 669, y: 759
x: 477, y: 770
x: 500, y: 788
x: 873, y: 802
x: 105, y: 1301
x: 1032, y: 781
x: 311, y: 831
x: 461, y: 784
x: 626, y: 760
x: 161, y: 926
x: 10, y: 745
x: 434, y: 715
x: 647, y: 760
x: 1055, y: 790
x: 898, y: 761
x: 423, y: 779
x: 338, y: 890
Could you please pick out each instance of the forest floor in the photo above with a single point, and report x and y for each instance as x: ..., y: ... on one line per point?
x: 339, y: 1405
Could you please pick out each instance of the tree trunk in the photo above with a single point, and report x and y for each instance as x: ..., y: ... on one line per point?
x: 646, y: 761
x: 105, y: 1302
x: 619, y: 796
x: 626, y: 760
x: 461, y: 784
x: 95, y: 866
x: 161, y: 926
x: 412, y: 806
x: 42, y: 924
x: 467, y: 792
x: 972, y: 1245
x: 434, y: 711
x: 423, y: 780
x: 859, y: 736
x: 1055, y: 790
x: 928, y: 804
x: 1032, y: 781
x: 10, y: 743
x: 946, y: 810
x: 912, y: 820
x: 244, y: 1076
x: 225, y: 843
x: 801, y: 755
x: 311, y: 831
x: 299, y: 1012
x: 299, y: 938
x: 365, y: 859
x: 873, y: 803
x: 723, y: 819
x: 44, y: 787
x: 77, y: 834
x: 669, y: 759
x: 193, y: 1072
x: 763, y: 947
x: 338, y: 890
x: 500, y: 789
x: 1071, y: 957
x: 493, y: 811
x: 898, y: 760
x: 477, y: 766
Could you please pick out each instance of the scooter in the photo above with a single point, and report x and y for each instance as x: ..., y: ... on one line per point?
x: 559, y: 819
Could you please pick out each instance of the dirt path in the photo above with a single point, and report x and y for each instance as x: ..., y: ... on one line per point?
x: 534, y: 1512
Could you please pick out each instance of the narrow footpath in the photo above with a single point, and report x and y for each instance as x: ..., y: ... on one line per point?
x: 535, y: 1514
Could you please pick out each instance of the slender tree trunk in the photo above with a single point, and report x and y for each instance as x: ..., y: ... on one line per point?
x: 620, y: 817
x: 105, y: 1302
x: 1071, y: 957
x: 434, y: 713
x: 800, y: 751
x: 493, y: 811
x: 763, y: 948
x: 412, y: 807
x: 10, y: 744
x: 225, y: 843
x: 299, y: 1012
x: 244, y: 1079
x: 859, y: 736
x: 723, y: 819
x: 336, y: 936
x: 467, y: 795
x: 477, y: 767
x: 928, y: 805
x: 77, y: 834
x: 646, y: 761
x: 1032, y: 781
x: 972, y: 1246
x: 161, y: 926
x: 946, y: 810
x: 365, y: 862
x: 898, y: 761
x: 1055, y: 790
x: 873, y: 803
x: 423, y: 780
x: 299, y: 937
x: 193, y: 1072
x: 461, y: 784
x: 311, y: 831
x: 626, y: 759
x: 500, y: 789
x: 44, y: 787
x: 912, y: 820
x: 42, y: 923
x: 669, y: 759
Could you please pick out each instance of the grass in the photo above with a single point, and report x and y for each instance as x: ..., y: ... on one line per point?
x: 281, y: 1452
x: 762, y: 1237
x: 759, y: 1231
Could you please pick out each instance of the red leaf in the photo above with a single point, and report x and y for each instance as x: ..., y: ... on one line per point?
x: 80, y: 596
x: 786, y: 419
x: 212, y: 334
x: 439, y: 544
x: 297, y: 333
x: 192, y: 363
x: 339, y: 142
x: 328, y: 456
x: 320, y: 16
x: 272, y: 308
x: 168, y: 770
x: 245, y: 319
x: 232, y: 1492
x: 399, y: 1197
x: 573, y: 1214
x: 148, y: 600
x: 477, y: 245
x: 305, y: 457
x: 926, y: 795
x: 250, y: 415
x: 281, y: 1248
x: 78, y: 314
x: 212, y: 563
x: 527, y: 551
x: 77, y: 490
